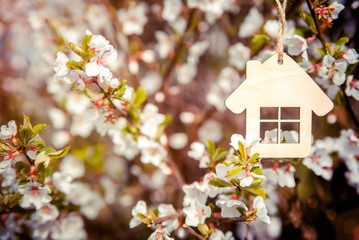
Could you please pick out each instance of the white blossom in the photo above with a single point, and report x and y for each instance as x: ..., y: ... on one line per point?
x: 249, y: 142
x: 133, y: 19
x: 333, y: 69
x: 219, y: 235
x: 70, y: 227
x: 151, y: 151
x: 171, y: 10
x: 46, y: 213
x: 252, y: 23
x: 210, y: 130
x: 351, y: 56
x: 140, y: 208
x: 258, y: 204
x: 194, y: 192
x: 295, y: 44
x: 160, y: 234
x: 320, y: 163
x: 72, y: 166
x: 166, y: 210
x: 229, y: 207
x: 239, y: 55
x: 8, y: 131
x: 198, y: 152
x: 352, y: 87
x: 196, y: 213
x: 34, y: 194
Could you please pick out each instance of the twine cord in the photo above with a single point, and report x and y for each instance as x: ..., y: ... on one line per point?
x: 281, y: 9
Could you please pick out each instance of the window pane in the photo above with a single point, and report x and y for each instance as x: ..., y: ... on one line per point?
x: 269, y: 113
x: 290, y: 113
x: 268, y: 132
x: 290, y: 132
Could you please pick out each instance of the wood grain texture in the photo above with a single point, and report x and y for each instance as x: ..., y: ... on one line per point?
x: 279, y: 85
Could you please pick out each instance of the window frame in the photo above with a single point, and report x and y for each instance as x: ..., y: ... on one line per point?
x: 279, y: 122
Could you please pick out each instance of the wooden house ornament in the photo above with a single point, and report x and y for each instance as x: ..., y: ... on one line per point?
x: 279, y: 88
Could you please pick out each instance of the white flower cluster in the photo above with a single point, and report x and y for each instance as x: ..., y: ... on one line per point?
x: 45, y: 219
x: 346, y: 146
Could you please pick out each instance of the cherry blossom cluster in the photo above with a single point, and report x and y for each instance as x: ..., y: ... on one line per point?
x: 47, y: 203
x: 325, y: 151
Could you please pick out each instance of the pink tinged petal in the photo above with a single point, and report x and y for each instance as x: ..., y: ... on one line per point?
x: 328, y: 61
x: 92, y: 69
x: 5, y: 165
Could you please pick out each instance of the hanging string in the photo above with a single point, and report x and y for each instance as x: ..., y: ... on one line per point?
x: 281, y: 9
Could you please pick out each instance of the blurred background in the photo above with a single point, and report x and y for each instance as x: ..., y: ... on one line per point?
x: 153, y: 53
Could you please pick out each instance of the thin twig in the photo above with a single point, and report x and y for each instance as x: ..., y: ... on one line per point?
x: 316, y: 23
x: 319, y: 35
x: 166, y: 218
x: 193, y: 232
x: 229, y: 220
x: 177, y: 172
x: 108, y: 98
x: 178, y: 48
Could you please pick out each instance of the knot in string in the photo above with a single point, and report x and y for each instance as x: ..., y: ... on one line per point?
x: 281, y: 9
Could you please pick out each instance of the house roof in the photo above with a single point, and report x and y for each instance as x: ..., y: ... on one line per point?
x: 284, y: 85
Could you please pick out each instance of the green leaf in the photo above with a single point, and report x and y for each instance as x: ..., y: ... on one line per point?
x: 76, y: 49
x: 85, y: 42
x: 258, y: 41
x: 163, y: 125
x: 257, y: 170
x: 219, y: 183
x: 256, y: 191
x: 242, y: 150
x: 26, y: 122
x: 203, y: 229
x: 6, y: 147
x: 120, y: 90
x: 257, y: 182
x: 342, y: 41
x: 322, y: 51
x: 60, y: 153
x: 210, y: 147
x: 75, y: 65
x: 253, y: 158
x: 234, y: 172
x: 139, y: 97
x: 154, y: 213
x: 38, y: 128
x: 25, y: 135
x: 339, y: 45
x: 38, y: 143
x: 220, y: 154
x: 141, y: 216
x: 92, y: 155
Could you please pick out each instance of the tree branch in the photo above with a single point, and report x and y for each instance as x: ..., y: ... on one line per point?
x: 319, y: 35
x: 229, y: 220
x: 166, y: 218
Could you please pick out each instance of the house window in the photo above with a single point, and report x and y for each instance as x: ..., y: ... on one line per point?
x: 279, y: 125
